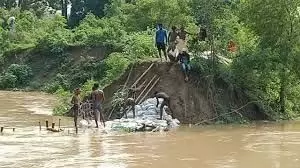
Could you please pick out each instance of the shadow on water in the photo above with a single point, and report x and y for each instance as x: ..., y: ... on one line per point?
x: 258, y: 145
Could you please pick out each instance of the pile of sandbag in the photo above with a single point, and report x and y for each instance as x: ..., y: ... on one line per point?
x: 146, y: 119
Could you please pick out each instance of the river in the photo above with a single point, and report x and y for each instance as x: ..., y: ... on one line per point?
x: 267, y: 145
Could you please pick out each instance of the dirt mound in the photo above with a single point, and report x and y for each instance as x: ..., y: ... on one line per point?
x: 45, y: 65
x: 190, y: 101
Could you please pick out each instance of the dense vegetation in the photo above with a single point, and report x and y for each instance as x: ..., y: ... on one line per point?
x: 266, y: 32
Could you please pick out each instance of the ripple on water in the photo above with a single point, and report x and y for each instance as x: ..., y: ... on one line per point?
x: 273, y: 142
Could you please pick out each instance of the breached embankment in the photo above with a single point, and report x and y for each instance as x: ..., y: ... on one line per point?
x: 192, y: 101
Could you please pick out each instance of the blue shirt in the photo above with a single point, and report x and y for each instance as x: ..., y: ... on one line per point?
x: 161, y: 36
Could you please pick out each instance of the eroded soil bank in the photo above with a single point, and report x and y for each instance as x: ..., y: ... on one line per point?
x: 191, y: 101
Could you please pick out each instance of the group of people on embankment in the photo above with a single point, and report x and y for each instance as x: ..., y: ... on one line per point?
x: 173, y: 46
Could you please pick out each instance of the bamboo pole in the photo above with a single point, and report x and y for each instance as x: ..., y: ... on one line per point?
x: 146, y: 87
x: 59, y: 123
x: 145, y: 94
x: 149, y: 90
x: 47, y: 124
x: 130, y: 108
x: 128, y: 77
x: 142, y: 75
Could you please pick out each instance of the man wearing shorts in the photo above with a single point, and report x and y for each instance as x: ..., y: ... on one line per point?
x: 130, y: 102
x: 161, y: 38
x: 166, y: 102
x: 97, y: 99
x: 76, y: 105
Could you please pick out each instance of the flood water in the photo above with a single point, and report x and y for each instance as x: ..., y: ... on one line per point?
x: 256, y: 145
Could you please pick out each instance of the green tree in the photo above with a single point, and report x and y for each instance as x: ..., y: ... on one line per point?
x: 96, y: 7
x: 276, y: 22
x: 77, y: 12
x: 8, y: 4
x: 141, y: 15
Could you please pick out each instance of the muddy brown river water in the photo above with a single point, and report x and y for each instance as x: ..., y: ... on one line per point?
x: 254, y: 146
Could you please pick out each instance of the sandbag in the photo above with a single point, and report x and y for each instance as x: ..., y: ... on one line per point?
x: 147, y: 118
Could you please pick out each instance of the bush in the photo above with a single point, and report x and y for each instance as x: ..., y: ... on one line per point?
x: 139, y: 45
x: 115, y: 64
x: 16, y: 76
x: 8, y: 80
x: 55, y: 42
x: 63, y: 104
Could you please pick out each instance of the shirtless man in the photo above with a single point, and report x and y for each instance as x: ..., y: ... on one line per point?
x: 97, y: 99
x: 131, y: 103
x: 76, y: 105
x: 166, y: 102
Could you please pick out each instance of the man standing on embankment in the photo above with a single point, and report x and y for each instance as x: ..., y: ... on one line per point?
x: 161, y: 39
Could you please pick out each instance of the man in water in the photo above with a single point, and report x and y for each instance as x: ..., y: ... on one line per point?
x: 166, y: 102
x: 161, y: 38
x: 131, y: 103
x: 76, y: 105
x: 184, y: 59
x: 97, y: 100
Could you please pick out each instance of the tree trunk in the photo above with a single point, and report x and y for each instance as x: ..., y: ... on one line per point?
x: 62, y: 7
x: 282, y: 94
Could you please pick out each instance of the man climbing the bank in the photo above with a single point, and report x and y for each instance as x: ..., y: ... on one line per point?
x: 161, y: 38
x: 184, y: 59
x: 172, y: 49
x: 76, y: 105
x: 182, y: 38
x: 166, y: 102
x: 97, y: 100
x: 172, y: 39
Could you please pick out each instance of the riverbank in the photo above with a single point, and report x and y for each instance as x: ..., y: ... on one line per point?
x: 190, y: 100
x: 202, y: 100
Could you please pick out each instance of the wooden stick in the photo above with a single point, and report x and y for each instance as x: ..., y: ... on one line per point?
x: 146, y: 87
x: 40, y: 126
x: 53, y: 125
x: 53, y: 130
x: 1, y: 130
x: 142, y: 75
x: 128, y: 76
x: 234, y: 111
x: 149, y: 90
x: 130, y: 108
x: 144, y: 95
x: 59, y: 123
x: 47, y: 124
